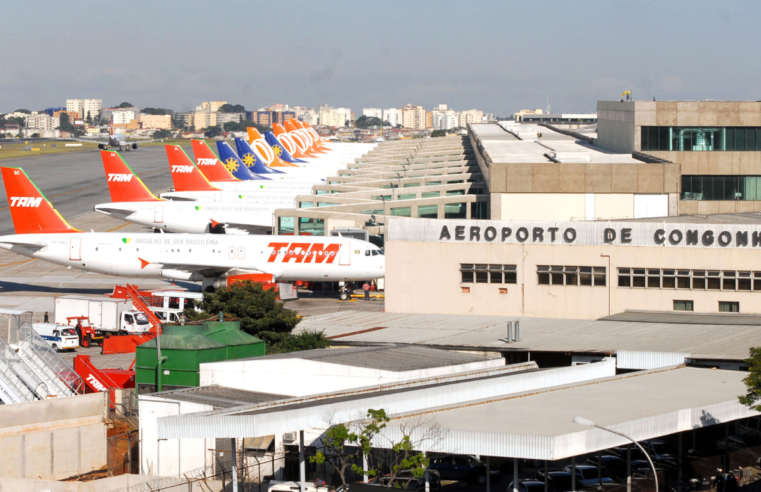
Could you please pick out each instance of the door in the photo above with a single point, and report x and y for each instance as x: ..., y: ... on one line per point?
x: 344, y: 257
x: 75, y: 251
x: 158, y: 214
x: 241, y: 253
x: 96, y: 315
x: 231, y: 253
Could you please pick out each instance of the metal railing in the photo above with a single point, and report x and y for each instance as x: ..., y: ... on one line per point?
x: 10, y: 378
x: 50, y: 367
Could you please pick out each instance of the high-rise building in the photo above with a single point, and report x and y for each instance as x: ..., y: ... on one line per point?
x: 335, y: 117
x: 471, y: 116
x: 211, y: 106
x: 394, y: 116
x: 428, y: 119
x: 372, y: 112
x: 157, y: 121
x: 414, y: 117
x: 444, y: 120
x: 85, y: 108
x: 42, y: 121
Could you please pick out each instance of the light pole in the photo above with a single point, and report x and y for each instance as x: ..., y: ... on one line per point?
x: 583, y: 421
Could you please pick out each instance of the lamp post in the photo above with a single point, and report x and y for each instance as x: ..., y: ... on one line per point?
x: 583, y: 421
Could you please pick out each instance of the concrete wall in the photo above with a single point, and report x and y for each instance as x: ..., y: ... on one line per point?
x: 102, y: 485
x: 615, y: 125
x: 53, y: 439
x: 424, y: 277
x: 298, y: 377
x: 576, y: 206
x: 584, y: 178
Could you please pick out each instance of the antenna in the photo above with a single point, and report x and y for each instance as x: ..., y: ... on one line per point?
x: 549, y: 105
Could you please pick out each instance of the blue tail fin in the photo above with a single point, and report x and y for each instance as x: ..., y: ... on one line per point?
x: 233, y: 163
x: 252, y: 160
x: 279, y: 149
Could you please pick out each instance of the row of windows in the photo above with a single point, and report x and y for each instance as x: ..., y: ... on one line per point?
x: 488, y: 274
x: 571, y: 275
x: 721, y: 188
x: 657, y: 278
x: 744, y: 138
x: 724, y: 306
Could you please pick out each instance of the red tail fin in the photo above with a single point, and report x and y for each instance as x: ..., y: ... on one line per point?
x: 123, y: 183
x: 209, y: 164
x: 185, y: 174
x: 31, y: 212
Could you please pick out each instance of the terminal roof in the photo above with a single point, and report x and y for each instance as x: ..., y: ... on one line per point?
x: 674, y: 317
x: 741, y: 218
x: 395, y: 358
x: 218, y: 396
x: 467, y: 332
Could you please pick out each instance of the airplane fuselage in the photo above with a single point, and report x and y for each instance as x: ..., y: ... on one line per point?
x: 199, y: 257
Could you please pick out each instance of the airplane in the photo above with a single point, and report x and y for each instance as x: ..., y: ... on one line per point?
x: 186, y: 177
x: 298, y: 173
x: 117, y: 140
x: 213, y: 260
x: 132, y: 201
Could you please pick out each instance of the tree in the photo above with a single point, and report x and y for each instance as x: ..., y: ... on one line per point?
x: 125, y: 105
x: 65, y: 123
x: 25, y: 111
x: 159, y: 134
x: 158, y: 111
x: 89, y: 118
x: 35, y: 135
x: 439, y: 133
x: 232, y: 108
x: 753, y: 380
x: 368, y: 121
x: 212, y: 131
x: 234, y: 126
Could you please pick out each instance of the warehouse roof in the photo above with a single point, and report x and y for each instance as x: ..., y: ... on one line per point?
x: 395, y: 358
x: 675, y: 317
x: 700, y: 341
x: 219, y: 396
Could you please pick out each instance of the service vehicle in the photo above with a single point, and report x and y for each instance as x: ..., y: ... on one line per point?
x: 59, y: 337
x: 105, y: 314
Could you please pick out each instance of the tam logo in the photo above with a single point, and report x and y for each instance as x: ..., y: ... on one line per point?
x: 182, y: 169
x: 303, y: 252
x: 120, y: 177
x: 25, y: 201
x: 205, y: 162
x: 95, y: 383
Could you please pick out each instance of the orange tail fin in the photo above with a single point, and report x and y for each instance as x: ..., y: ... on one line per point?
x: 209, y: 164
x: 31, y: 212
x: 123, y: 183
x: 185, y: 174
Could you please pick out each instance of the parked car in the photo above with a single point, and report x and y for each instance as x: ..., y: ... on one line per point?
x: 613, y: 467
x: 559, y: 481
x: 528, y: 486
x: 458, y: 467
x: 660, y: 451
x: 588, y: 475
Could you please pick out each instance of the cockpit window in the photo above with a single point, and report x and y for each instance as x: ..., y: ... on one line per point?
x: 375, y: 252
x: 367, y: 252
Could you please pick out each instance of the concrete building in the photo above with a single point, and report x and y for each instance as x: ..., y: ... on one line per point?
x: 210, y: 106
x: 223, y: 118
x: 308, y: 115
x: 42, y: 121
x: 717, y: 145
x: 334, y: 117
x: 414, y: 117
x: 157, y: 121
x: 394, y: 116
x: 444, y: 119
x: 471, y: 116
x: 85, y: 108
x: 372, y: 112
x: 564, y: 120
x: 122, y: 116
x: 202, y: 119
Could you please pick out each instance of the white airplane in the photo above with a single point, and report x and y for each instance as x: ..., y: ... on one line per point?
x: 133, y: 201
x: 214, y: 260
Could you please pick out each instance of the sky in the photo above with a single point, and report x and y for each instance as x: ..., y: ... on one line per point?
x: 498, y: 56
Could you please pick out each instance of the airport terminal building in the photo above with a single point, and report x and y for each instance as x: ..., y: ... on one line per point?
x: 574, y: 269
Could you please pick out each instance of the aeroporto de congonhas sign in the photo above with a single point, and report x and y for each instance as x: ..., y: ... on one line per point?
x: 661, y: 234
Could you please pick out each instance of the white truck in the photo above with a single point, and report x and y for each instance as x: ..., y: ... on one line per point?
x: 59, y: 337
x: 106, y: 314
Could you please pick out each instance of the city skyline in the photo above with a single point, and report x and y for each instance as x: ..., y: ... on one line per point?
x: 520, y: 54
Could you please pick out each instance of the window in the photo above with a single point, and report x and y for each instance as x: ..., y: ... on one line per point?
x: 700, y: 139
x: 428, y: 212
x: 455, y: 211
x: 729, y: 307
x: 570, y: 275
x: 488, y: 274
x: 409, y: 196
x: 286, y: 225
x: 654, y: 278
x: 721, y: 188
x: 306, y: 204
x: 311, y: 226
x: 684, y: 306
x: 402, y: 211
x: 174, y: 303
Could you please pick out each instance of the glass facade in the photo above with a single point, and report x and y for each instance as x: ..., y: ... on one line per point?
x: 455, y: 211
x: 402, y: 211
x: 428, y: 212
x: 285, y: 225
x: 721, y: 188
x: 697, y: 139
x: 311, y: 226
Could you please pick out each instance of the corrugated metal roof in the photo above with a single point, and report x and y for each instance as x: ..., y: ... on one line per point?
x: 702, y: 341
x: 673, y: 317
x: 388, y: 357
x: 218, y: 396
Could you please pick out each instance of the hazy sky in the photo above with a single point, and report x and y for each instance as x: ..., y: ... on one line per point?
x: 498, y: 56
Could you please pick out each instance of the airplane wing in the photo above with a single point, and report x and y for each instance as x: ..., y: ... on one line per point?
x: 234, y: 227
x: 208, y: 270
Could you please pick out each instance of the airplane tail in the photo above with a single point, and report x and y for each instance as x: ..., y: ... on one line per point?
x: 209, y: 163
x: 311, y: 141
x: 315, y: 135
x: 31, y: 211
x: 302, y: 142
x: 263, y: 150
x: 251, y: 159
x: 123, y: 183
x: 234, y: 163
x: 280, y: 149
x: 288, y: 141
x: 185, y: 174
